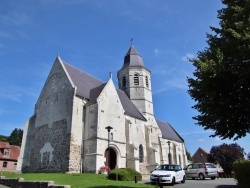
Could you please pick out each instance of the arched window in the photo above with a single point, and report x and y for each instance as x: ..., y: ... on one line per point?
x: 141, y: 156
x: 146, y: 79
x: 124, y: 83
x: 136, y: 79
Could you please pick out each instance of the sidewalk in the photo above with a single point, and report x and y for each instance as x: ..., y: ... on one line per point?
x: 3, y: 186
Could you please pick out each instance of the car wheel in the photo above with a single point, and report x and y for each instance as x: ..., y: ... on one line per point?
x: 213, y: 178
x: 201, y: 176
x: 173, y: 181
x: 183, y: 180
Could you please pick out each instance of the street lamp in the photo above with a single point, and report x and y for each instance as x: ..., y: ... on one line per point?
x: 108, y: 128
x: 169, y: 157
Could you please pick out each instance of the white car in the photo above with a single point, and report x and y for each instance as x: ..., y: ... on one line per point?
x: 168, y: 173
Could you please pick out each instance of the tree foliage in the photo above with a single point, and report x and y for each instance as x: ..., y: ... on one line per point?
x: 226, y: 155
x: 3, y: 138
x: 15, y: 137
x: 221, y: 83
x: 248, y: 156
x: 188, y: 155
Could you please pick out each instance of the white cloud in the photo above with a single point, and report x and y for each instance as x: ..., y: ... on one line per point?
x: 201, y: 140
x: 187, y: 57
x: 156, y: 51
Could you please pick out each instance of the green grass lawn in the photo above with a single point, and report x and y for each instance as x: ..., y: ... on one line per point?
x: 77, y: 180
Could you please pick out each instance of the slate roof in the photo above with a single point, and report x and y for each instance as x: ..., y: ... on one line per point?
x: 128, y: 106
x: 14, y: 151
x: 168, y: 131
x: 91, y: 87
x: 133, y: 58
x: 83, y: 81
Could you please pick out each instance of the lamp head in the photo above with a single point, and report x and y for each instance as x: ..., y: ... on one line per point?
x: 108, y: 128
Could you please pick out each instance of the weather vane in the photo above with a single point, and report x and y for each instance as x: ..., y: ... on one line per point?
x: 131, y: 40
x: 110, y: 74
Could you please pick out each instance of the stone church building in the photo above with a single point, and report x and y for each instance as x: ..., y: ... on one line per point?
x: 67, y: 132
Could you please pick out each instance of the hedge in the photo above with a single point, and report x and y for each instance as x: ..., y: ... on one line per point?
x: 124, y: 174
x: 242, y: 173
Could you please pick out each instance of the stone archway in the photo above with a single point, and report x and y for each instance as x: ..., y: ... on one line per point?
x: 113, y: 158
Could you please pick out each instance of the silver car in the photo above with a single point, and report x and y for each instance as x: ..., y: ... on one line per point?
x: 201, y: 171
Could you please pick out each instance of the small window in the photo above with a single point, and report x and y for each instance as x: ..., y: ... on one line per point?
x: 5, y: 164
x: 146, y: 79
x: 141, y: 156
x: 136, y: 79
x: 196, y: 166
x: 124, y: 82
x: 6, y: 152
x: 111, y: 136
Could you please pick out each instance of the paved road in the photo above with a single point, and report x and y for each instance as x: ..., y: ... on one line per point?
x: 207, y: 183
x: 2, y: 186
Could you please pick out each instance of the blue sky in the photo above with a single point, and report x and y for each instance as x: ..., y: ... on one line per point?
x: 95, y: 36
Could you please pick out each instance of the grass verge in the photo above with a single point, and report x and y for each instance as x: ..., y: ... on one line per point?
x: 78, y: 180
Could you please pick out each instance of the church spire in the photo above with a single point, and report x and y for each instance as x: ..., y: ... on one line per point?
x: 132, y: 58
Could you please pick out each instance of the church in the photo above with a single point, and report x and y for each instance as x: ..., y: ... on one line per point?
x: 81, y: 123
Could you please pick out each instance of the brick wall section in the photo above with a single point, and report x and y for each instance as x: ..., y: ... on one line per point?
x: 20, y: 183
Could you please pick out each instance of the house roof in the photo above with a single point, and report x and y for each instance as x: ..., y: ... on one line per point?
x: 4, y: 145
x: 14, y: 151
x: 168, y: 131
x: 199, y: 150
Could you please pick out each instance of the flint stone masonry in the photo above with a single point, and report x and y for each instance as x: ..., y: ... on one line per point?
x: 21, y: 183
x: 58, y: 138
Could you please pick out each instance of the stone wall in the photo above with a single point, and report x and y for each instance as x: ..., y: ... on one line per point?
x: 51, y: 148
x: 20, y: 183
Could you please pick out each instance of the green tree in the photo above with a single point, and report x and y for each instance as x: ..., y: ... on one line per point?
x: 248, y: 156
x: 188, y: 155
x: 226, y: 155
x: 3, y: 138
x: 221, y: 83
x: 15, y: 137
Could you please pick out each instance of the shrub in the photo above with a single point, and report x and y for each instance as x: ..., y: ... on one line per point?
x: 124, y: 174
x: 242, y: 173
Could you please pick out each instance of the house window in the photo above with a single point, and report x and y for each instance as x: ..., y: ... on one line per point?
x: 124, y: 82
x: 146, y: 79
x: 136, y: 79
x: 6, y: 152
x: 5, y: 164
x: 111, y: 136
x: 141, y: 156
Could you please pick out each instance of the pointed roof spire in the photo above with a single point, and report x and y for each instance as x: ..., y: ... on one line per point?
x: 132, y: 58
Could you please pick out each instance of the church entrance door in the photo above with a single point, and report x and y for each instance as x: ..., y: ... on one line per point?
x: 113, y: 158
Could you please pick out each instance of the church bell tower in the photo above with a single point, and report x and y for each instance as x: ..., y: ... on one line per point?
x: 134, y: 79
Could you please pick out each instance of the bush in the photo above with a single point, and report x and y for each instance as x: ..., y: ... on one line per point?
x: 242, y: 173
x: 124, y: 174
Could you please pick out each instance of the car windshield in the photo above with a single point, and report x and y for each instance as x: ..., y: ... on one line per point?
x: 210, y: 165
x: 166, y: 167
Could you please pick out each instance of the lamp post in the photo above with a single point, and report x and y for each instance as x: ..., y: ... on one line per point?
x: 169, y: 157
x: 108, y: 129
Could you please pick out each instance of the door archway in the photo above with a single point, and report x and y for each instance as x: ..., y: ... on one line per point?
x: 113, y: 158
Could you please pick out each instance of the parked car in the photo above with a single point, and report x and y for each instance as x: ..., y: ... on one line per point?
x: 168, y: 173
x: 201, y: 171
